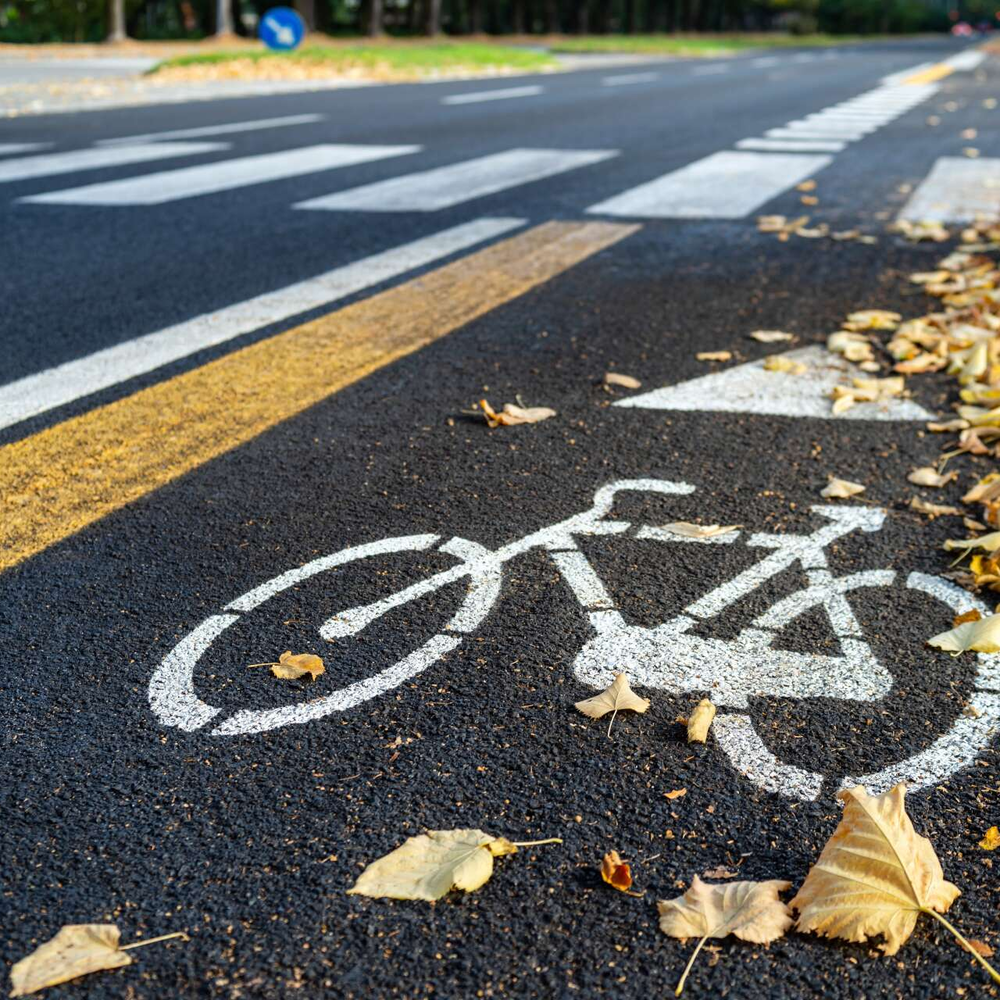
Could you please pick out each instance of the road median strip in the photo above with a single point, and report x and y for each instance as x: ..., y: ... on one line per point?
x: 62, y: 479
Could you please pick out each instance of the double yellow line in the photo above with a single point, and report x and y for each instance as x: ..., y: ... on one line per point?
x: 58, y: 481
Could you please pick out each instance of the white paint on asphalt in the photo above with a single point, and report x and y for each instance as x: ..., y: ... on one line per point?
x: 726, y: 185
x: 507, y: 94
x: 212, y: 178
x: 816, y: 133
x: 76, y: 379
x: 845, y: 128
x: 956, y: 190
x: 13, y: 148
x: 225, y: 129
x: 965, y: 61
x: 750, y: 388
x: 442, y: 187
x: 50, y: 164
x: 792, y: 145
x: 895, y: 79
x: 709, y: 70
x: 764, y: 61
x: 625, y: 79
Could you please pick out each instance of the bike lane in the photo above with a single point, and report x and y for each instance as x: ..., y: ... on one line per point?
x: 248, y: 841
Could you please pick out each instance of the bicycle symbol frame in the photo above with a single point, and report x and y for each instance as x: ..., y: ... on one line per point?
x: 667, y: 657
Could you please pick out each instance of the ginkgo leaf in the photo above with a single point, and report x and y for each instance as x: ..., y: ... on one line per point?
x: 991, y: 841
x: 688, y: 529
x: 625, y: 381
x: 616, y: 872
x: 616, y: 698
x: 431, y: 864
x: 982, y: 636
x: 770, y: 336
x: 714, y: 355
x: 840, y: 489
x: 512, y: 415
x: 700, y: 721
x: 290, y: 666
x: 76, y: 950
x: 875, y: 876
x: 988, y: 543
x: 750, y: 911
x: 929, y: 476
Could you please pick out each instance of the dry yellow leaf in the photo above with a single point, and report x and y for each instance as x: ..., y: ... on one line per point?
x: 971, y: 152
x: 430, y: 865
x: 969, y: 616
x: 750, y: 911
x: 948, y: 426
x: 853, y: 346
x: 872, y: 319
x: 771, y: 336
x: 779, y: 363
x: 933, y: 509
x: 688, y: 529
x: 616, y: 872
x: 625, y: 381
x: 511, y: 415
x: 700, y: 721
x: 809, y: 199
x: 929, y: 476
x: 840, y: 489
x: 991, y: 841
x: 76, y: 950
x: 714, y: 355
x: 982, y: 636
x: 676, y: 793
x: 988, y: 543
x: 292, y: 666
x: 615, y: 698
x: 806, y: 186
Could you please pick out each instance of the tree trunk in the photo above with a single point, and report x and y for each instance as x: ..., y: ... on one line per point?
x: 432, y: 17
x: 373, y: 18
x: 517, y: 17
x: 582, y: 17
x: 116, y: 21
x: 551, y: 14
x: 223, y: 18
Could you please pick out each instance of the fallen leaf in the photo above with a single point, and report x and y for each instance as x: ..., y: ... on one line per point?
x: 714, y: 355
x: 988, y: 543
x: 700, y: 721
x: 872, y: 319
x: 809, y: 199
x: 982, y: 636
x: 720, y: 872
x: 968, y: 133
x: 675, y: 794
x: 875, y: 876
x: 779, y: 363
x: 771, y: 336
x: 290, y: 667
x: 971, y: 152
x: 750, y: 911
x: 688, y: 529
x: 969, y: 616
x: 929, y: 476
x: 76, y: 950
x: 625, y: 381
x: 431, y: 864
x: 806, y: 186
x: 512, y: 415
x: 991, y: 841
x: 933, y: 509
x: 840, y: 489
x: 617, y: 873
x: 853, y: 346
x: 980, y: 948
x: 949, y: 426
x: 615, y: 698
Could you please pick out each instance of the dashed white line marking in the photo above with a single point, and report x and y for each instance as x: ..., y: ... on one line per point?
x: 211, y: 178
x: 12, y: 148
x: 629, y: 78
x: 226, y: 129
x: 75, y: 379
x: 50, y: 164
x: 430, y: 190
x: 792, y: 145
x: 726, y: 185
x: 765, y: 61
x: 507, y: 94
x: 956, y: 190
x: 709, y: 70
x: 804, y: 57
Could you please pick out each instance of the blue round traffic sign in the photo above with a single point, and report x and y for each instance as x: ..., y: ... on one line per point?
x: 281, y: 28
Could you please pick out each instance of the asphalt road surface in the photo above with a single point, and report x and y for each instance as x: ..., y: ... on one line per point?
x: 248, y: 339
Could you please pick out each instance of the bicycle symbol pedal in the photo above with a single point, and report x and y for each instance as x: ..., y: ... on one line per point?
x: 670, y: 657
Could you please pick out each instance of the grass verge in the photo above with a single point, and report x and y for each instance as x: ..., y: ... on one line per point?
x: 700, y: 45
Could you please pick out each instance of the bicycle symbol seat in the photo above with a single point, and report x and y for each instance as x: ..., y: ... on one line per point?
x: 668, y: 657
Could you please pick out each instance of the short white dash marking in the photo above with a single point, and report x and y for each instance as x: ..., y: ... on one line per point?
x: 509, y: 93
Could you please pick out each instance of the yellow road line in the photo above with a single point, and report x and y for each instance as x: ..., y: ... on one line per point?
x: 63, y: 478
x: 936, y: 72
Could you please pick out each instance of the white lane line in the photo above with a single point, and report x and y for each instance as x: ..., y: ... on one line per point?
x: 210, y: 178
x: 764, y: 61
x: 11, y: 148
x: 965, y: 61
x: 430, y: 190
x: 804, y: 57
x: 726, y: 185
x: 849, y: 114
x: 73, y: 380
x: 956, y: 190
x: 493, y: 95
x: 792, y: 145
x: 709, y: 70
x: 820, y: 135
x: 50, y: 164
x: 626, y: 78
x: 227, y: 129
x: 829, y: 127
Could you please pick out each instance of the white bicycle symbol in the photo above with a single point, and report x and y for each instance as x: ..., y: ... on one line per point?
x: 667, y: 657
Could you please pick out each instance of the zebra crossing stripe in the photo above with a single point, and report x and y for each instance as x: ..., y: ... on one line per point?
x: 223, y: 129
x: 727, y: 185
x: 77, y: 379
x: 792, y: 145
x: 211, y: 178
x: 956, y: 190
x: 14, y: 148
x: 27, y: 168
x: 442, y: 187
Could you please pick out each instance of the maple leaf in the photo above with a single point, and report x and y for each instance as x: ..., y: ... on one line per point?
x: 616, y: 698
x: 431, y: 864
x: 875, y: 876
x: 750, y: 911
x: 981, y: 635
